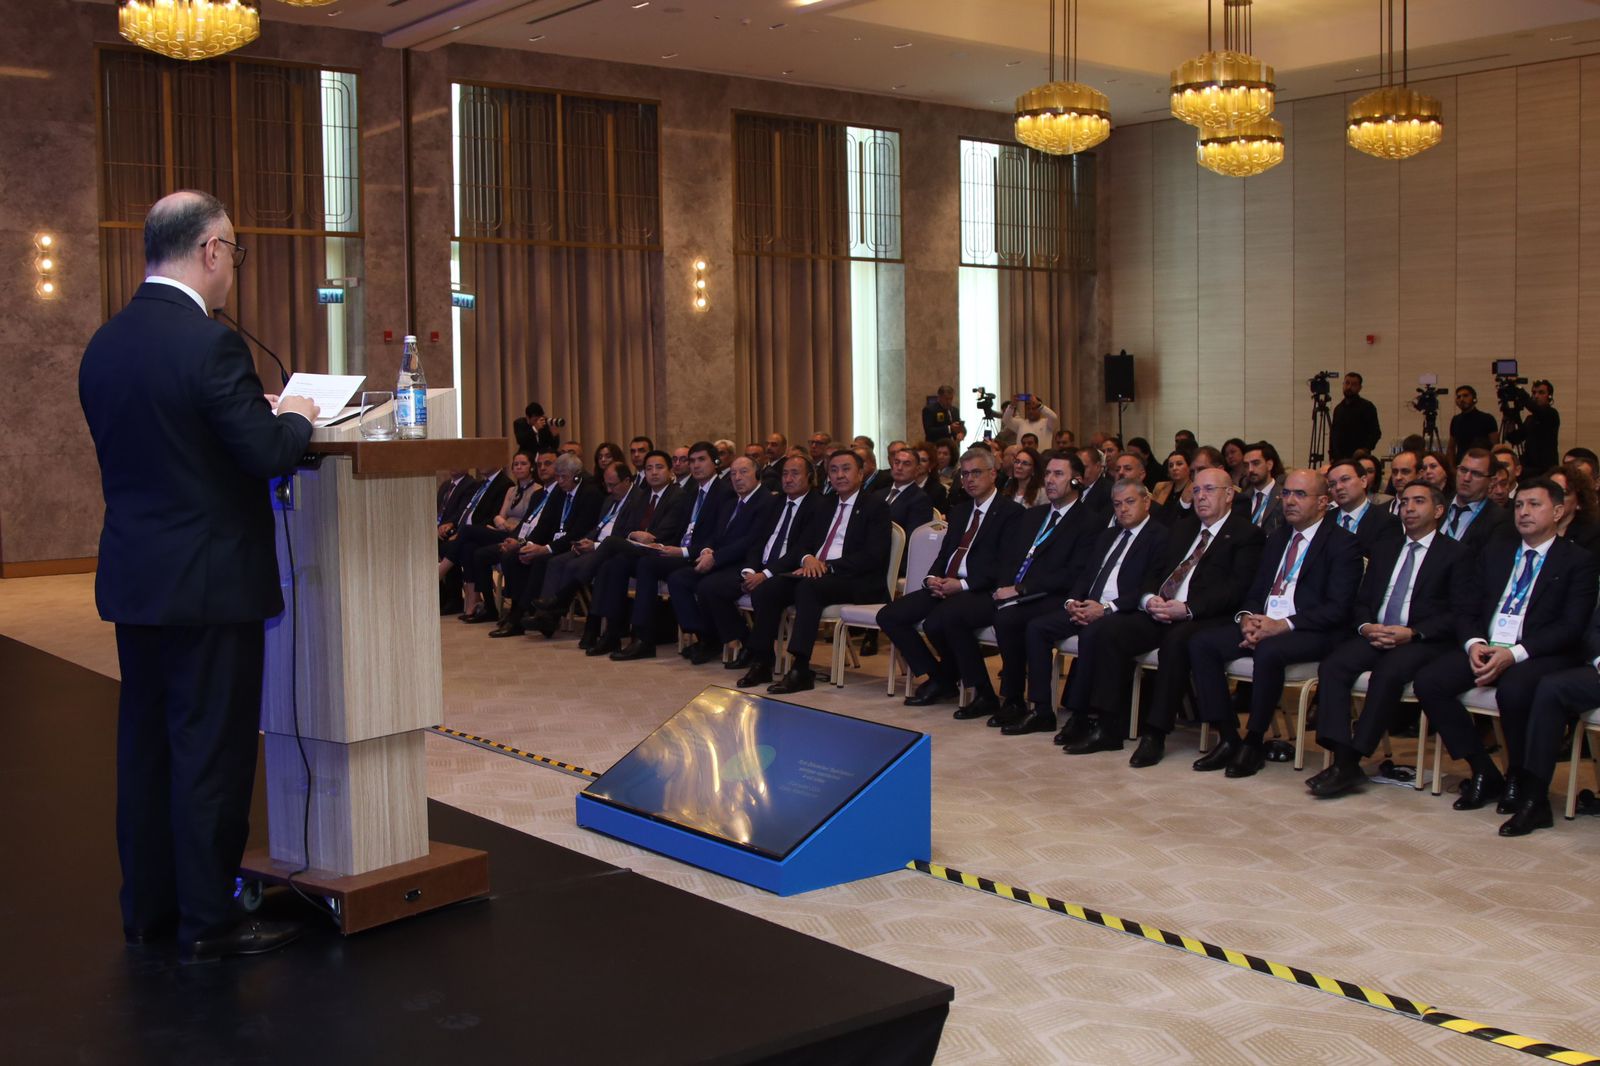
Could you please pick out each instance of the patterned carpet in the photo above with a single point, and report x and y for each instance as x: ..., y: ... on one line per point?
x: 1388, y: 888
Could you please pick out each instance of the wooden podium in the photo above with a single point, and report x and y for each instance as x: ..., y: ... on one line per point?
x: 362, y: 649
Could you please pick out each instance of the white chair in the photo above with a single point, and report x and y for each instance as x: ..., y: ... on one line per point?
x: 921, y: 548
x: 1589, y: 723
x: 1358, y: 692
x: 1301, y: 675
x: 863, y: 615
x: 1485, y: 701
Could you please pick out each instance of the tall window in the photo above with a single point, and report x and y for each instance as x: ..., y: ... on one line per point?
x: 558, y: 243
x: 819, y: 269
x: 1027, y: 241
x: 279, y: 145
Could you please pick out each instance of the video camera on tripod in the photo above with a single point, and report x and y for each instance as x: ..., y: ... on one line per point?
x: 1508, y: 389
x: 1321, y: 420
x: 1427, y: 402
x: 985, y: 402
x: 1321, y: 391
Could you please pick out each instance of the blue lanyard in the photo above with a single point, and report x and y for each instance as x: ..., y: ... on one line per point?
x: 1515, y: 603
x: 1289, y: 578
x: 566, y: 509
x: 1046, y: 531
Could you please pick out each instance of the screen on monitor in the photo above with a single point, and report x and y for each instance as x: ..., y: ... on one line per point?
x: 750, y: 771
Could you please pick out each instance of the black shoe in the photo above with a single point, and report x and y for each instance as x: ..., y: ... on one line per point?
x: 1511, y: 798
x: 483, y: 614
x: 798, y: 679
x: 1246, y: 761
x: 984, y: 706
x: 450, y: 607
x: 636, y: 649
x: 1097, y: 739
x: 253, y: 937
x: 1530, y: 815
x: 869, y: 643
x: 1074, y: 728
x: 603, y: 646
x: 1336, y: 780
x: 544, y: 623
x: 687, y: 651
x: 1478, y: 790
x: 590, y: 635
x: 1218, y: 757
x: 1034, y: 723
x: 930, y: 692
x: 758, y: 674
x: 1152, y: 746
x: 1012, y: 710
x: 159, y: 933
x: 508, y: 628
x: 706, y: 651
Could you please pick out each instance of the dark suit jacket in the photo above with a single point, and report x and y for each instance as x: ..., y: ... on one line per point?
x: 1059, y: 560
x: 865, y: 555
x: 938, y: 495
x: 1441, y: 590
x: 533, y: 441
x: 910, y: 509
x: 669, y: 520
x: 1376, y: 526
x: 588, y: 499
x: 1556, y: 616
x: 814, y: 511
x: 984, y: 555
x: 1354, y: 426
x: 1328, y: 578
x: 733, y: 528
x: 1244, y: 504
x: 705, y: 526
x: 878, y: 482
x: 1491, y: 522
x: 452, y: 499
x: 1098, y: 495
x: 937, y: 420
x: 493, y: 496
x: 1148, y: 549
x: 187, y: 445
x: 1222, y: 577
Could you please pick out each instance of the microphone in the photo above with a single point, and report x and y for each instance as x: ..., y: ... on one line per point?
x: 251, y: 336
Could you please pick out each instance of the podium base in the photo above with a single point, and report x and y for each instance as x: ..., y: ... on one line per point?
x: 447, y: 874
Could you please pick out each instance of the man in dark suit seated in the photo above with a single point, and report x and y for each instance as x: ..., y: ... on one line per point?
x: 569, y: 571
x: 956, y: 597
x: 1096, y: 491
x: 1354, y: 512
x: 188, y: 572
x: 845, y: 564
x: 909, y: 506
x: 740, y: 514
x: 927, y: 478
x: 1471, y: 517
x: 1260, y: 499
x: 1534, y: 593
x: 1210, y: 560
x: 776, y: 548
x: 1405, y: 616
x: 1559, y: 701
x: 574, y: 506
x: 1296, y: 612
x: 772, y: 469
x: 1046, y: 551
x: 665, y: 522
x: 501, y: 541
x: 1117, y: 563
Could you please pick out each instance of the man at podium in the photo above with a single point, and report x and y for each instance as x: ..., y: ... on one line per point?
x: 187, y: 443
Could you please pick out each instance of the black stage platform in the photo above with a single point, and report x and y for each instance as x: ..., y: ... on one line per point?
x: 572, y: 960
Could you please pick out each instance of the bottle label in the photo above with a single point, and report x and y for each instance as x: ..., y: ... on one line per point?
x: 419, y: 406
x: 404, y: 415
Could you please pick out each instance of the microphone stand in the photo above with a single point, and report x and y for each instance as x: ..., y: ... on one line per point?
x: 282, y: 370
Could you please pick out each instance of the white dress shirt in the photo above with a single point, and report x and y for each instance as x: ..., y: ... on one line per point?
x: 176, y: 284
x: 1423, y: 544
x: 1518, y: 652
x: 1108, y: 595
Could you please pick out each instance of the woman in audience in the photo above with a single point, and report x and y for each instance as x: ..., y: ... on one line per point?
x: 604, y: 456
x: 1233, y: 455
x: 945, y: 458
x: 1435, y: 470
x: 513, y: 509
x: 1580, y: 519
x: 1179, y: 484
x: 1027, y: 477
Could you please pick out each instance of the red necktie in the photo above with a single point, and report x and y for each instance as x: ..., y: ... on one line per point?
x: 966, y: 543
x: 827, y: 545
x: 649, y: 512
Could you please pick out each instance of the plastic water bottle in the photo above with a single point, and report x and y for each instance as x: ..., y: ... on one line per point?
x: 411, y: 395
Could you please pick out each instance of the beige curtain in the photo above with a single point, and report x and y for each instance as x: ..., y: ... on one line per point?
x: 1037, y: 326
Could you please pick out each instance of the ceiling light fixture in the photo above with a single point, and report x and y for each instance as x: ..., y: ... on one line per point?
x: 1241, y: 151
x: 1393, y: 121
x: 1226, y: 88
x: 1063, y: 117
x: 189, y: 29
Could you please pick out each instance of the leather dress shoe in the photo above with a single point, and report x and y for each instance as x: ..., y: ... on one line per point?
x: 508, y: 627
x: 1218, y: 757
x: 930, y: 692
x: 1099, y: 738
x: 1478, y: 790
x: 1530, y: 814
x: 1511, y: 797
x: 1152, y: 746
x: 482, y: 615
x: 758, y: 674
x: 687, y: 651
x: 545, y: 623
x: 164, y: 932
x: 1074, y: 728
x: 869, y: 643
x: 589, y: 636
x: 706, y: 651
x: 253, y: 937
x: 603, y: 646
x: 980, y: 707
x: 1336, y: 780
x: 740, y: 661
x: 636, y: 649
x: 1036, y: 722
x: 796, y: 680
x: 1012, y: 710
x: 1247, y: 760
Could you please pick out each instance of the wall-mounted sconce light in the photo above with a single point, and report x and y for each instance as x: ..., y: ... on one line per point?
x: 44, y: 264
x: 702, y: 294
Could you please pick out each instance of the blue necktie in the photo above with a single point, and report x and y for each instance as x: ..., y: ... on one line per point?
x: 1394, y: 611
x: 1456, y: 511
x: 1518, y: 598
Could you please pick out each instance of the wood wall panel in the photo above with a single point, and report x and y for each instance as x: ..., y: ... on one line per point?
x: 1427, y: 279
x: 1129, y: 186
x: 1319, y: 155
x: 1269, y: 373
x: 1581, y: 411
x: 1220, y: 310
x: 1174, y: 343
x: 1486, y: 218
x: 1371, y: 297
x: 1546, y: 239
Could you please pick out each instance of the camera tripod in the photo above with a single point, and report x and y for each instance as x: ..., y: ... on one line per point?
x: 1431, y: 440
x: 1321, y: 429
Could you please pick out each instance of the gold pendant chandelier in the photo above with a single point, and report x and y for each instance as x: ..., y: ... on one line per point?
x: 1393, y: 121
x: 189, y: 29
x: 1063, y: 117
x: 1226, y: 88
x: 1241, y: 151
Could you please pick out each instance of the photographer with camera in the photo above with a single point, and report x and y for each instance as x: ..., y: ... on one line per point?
x: 536, y: 433
x: 940, y: 417
x: 1472, y: 428
x: 1355, y: 422
x: 1027, y: 414
x: 1538, y: 432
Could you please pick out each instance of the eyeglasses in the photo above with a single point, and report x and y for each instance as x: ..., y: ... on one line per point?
x: 239, y: 251
x: 1467, y: 471
x: 976, y: 472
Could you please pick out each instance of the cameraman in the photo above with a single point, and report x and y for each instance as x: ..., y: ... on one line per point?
x: 534, y: 432
x: 940, y: 417
x: 1355, y: 422
x: 1027, y: 414
x: 1471, y: 428
x: 1539, y: 431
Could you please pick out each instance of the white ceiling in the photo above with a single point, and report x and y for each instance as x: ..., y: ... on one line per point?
x: 979, y: 53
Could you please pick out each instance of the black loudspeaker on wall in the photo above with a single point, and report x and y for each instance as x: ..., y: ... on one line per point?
x: 1119, y: 378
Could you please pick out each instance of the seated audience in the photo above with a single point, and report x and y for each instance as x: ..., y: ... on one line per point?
x: 607, y: 453
x: 1471, y: 518
x: 1353, y: 511
x: 1580, y: 515
x: 1260, y: 496
x: 1561, y: 698
x: 574, y: 505
x: 1027, y: 478
x: 566, y: 573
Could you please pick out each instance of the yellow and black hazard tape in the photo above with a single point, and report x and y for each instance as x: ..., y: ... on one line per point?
x: 1401, y: 1005
x: 516, y: 753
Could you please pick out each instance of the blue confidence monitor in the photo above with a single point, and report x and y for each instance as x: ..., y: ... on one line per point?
x: 779, y: 796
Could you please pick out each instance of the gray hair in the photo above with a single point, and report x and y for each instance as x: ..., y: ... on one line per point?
x: 568, y: 465
x: 980, y: 454
x: 1131, y: 483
